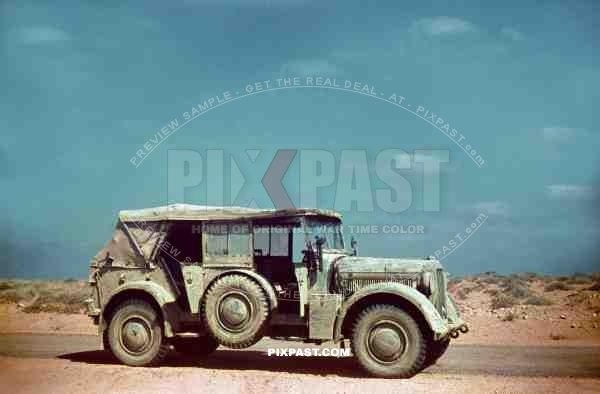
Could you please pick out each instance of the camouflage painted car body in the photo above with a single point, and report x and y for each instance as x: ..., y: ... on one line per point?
x: 327, y: 293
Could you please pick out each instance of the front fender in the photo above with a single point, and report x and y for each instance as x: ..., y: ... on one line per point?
x: 454, y: 318
x: 438, y: 325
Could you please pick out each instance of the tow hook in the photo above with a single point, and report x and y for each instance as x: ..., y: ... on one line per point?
x: 456, y: 333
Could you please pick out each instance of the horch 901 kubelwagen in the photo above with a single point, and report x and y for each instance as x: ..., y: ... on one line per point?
x: 194, y: 277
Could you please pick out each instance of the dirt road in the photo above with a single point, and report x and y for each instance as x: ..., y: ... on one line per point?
x: 460, y: 359
x: 61, y: 363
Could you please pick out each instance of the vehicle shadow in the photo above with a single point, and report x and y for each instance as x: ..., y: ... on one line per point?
x: 256, y: 360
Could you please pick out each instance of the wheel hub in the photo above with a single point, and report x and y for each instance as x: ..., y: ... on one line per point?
x: 136, y: 335
x: 387, y: 342
x: 234, y: 311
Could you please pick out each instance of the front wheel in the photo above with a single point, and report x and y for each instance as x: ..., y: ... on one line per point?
x: 388, y: 343
x: 135, y: 334
x: 435, y: 350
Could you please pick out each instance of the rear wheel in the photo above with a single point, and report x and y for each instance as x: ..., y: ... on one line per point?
x: 387, y: 342
x: 196, y: 347
x: 135, y: 334
x: 236, y: 311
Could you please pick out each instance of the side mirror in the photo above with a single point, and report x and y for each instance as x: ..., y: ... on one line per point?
x: 309, y: 258
x: 319, y: 255
x: 354, y: 246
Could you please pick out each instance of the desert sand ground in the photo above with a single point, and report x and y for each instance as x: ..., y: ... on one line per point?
x: 525, y: 312
x: 62, y: 376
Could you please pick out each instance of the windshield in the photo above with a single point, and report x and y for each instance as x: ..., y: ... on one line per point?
x: 329, y: 231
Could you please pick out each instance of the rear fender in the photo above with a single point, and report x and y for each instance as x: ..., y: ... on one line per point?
x: 163, y: 298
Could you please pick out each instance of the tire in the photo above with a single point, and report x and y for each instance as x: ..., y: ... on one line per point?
x: 105, y: 342
x: 387, y: 342
x: 135, y: 334
x: 196, y: 347
x: 236, y: 311
x: 435, y: 350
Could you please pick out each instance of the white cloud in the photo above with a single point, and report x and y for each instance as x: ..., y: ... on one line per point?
x: 558, y: 134
x: 512, y: 33
x: 433, y: 162
x: 569, y: 191
x: 492, y: 208
x: 442, y: 25
x: 309, y: 68
x: 42, y: 35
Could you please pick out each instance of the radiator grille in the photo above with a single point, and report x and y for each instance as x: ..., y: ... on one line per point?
x: 440, y: 296
x: 349, y: 286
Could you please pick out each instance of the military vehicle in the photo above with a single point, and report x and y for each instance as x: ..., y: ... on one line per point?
x: 194, y: 277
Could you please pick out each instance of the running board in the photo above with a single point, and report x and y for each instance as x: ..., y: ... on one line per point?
x: 287, y: 319
x: 187, y: 335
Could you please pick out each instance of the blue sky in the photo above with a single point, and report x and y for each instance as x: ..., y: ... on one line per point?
x: 85, y: 86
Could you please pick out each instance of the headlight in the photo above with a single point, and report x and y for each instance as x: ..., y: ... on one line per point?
x: 426, y: 281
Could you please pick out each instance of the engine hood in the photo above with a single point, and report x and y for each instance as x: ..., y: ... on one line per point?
x: 382, y: 265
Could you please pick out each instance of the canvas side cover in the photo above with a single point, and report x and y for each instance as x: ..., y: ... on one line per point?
x: 132, y: 244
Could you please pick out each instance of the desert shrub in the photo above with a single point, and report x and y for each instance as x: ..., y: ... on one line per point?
x: 502, y: 301
x: 519, y: 291
x: 557, y: 336
x: 53, y: 307
x: 490, y: 280
x: 594, y: 287
x: 532, y: 275
x: 46, y: 296
x: 520, y: 276
x: 492, y: 292
x: 557, y: 286
x: 537, y: 300
x: 525, y: 276
x: 515, y: 287
x: 579, y: 279
x: 460, y: 294
x: 466, y: 289
x: 510, y: 316
x: 512, y: 282
x: 6, y: 285
x: 8, y: 296
x: 18, y: 293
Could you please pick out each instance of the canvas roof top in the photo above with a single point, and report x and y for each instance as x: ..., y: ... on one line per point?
x: 204, y: 212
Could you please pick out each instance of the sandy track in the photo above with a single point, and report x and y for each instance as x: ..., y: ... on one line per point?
x: 74, y: 363
x: 518, y: 361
